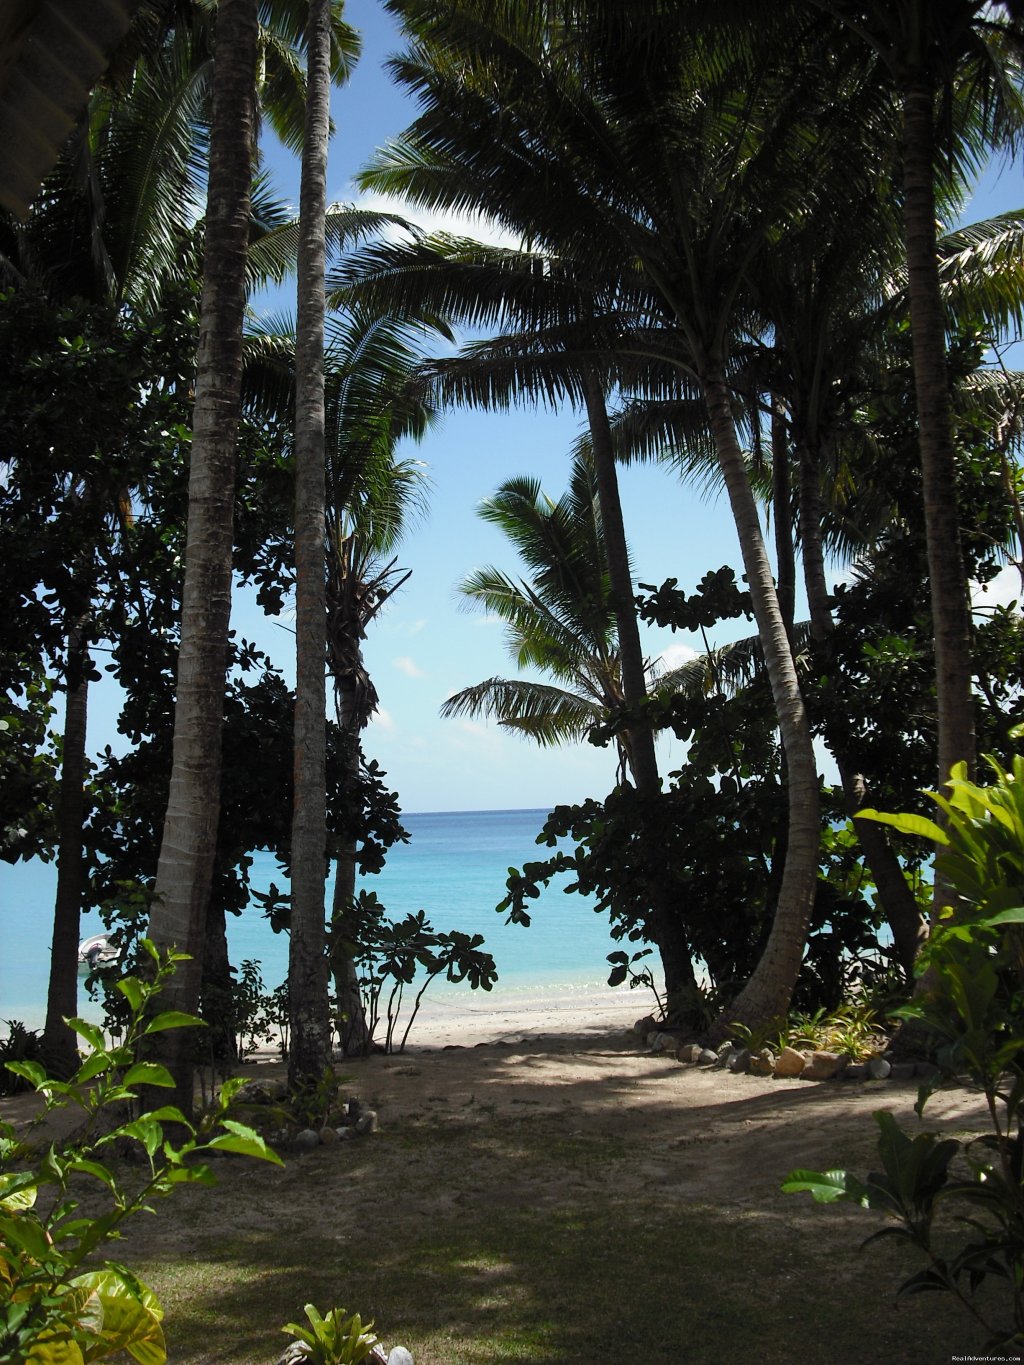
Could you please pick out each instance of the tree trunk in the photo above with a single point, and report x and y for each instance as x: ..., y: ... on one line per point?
x: 768, y: 992
x: 785, y: 559
x: 60, y: 1043
x: 352, y: 1023
x: 190, y: 829
x: 951, y: 612
x: 899, y: 904
x: 307, y: 964
x: 664, y: 925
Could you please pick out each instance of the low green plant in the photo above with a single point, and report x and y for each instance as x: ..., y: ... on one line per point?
x: 337, y: 1339
x: 62, y: 1302
x: 972, y: 1006
x: 20, y: 1045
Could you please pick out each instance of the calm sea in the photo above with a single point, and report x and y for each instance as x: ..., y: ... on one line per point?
x: 454, y: 868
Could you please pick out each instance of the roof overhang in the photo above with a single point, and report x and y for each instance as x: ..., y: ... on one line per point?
x: 52, y: 53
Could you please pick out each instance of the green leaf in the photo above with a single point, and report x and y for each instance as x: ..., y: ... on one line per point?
x: 30, y: 1071
x: 94, y: 1065
x: 826, y: 1186
x: 131, y: 1317
x: 244, y: 1142
x: 90, y: 1032
x: 149, y: 1073
x: 906, y: 824
x: 131, y: 988
x: 172, y: 1019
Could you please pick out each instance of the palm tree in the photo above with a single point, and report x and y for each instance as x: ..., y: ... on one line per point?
x: 936, y: 54
x: 559, y: 620
x: 309, y: 1022
x: 189, y: 838
x: 543, y: 123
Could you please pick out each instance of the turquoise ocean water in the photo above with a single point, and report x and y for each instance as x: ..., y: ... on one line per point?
x: 454, y: 868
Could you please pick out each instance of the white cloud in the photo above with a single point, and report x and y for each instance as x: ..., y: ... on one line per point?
x: 383, y: 720
x: 480, y: 228
x: 1000, y: 592
x: 409, y: 667
x: 675, y: 656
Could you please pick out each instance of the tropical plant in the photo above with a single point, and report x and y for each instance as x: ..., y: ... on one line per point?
x: 337, y: 1339
x: 63, y: 1301
x: 970, y: 1010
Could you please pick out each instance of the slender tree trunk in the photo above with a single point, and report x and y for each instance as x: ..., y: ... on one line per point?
x: 785, y: 558
x: 307, y: 964
x: 190, y: 829
x: 352, y: 1023
x: 768, y: 992
x: 60, y: 1048
x: 634, y: 683
x: 664, y: 924
x: 899, y: 904
x: 951, y: 613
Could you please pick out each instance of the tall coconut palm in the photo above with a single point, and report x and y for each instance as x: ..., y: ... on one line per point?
x: 558, y: 620
x: 307, y: 967
x: 682, y: 178
x: 190, y: 829
x: 936, y: 53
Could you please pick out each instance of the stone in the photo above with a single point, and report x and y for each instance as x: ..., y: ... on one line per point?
x: 790, y: 1063
x: 823, y: 1066
x: 367, y: 1121
x: 306, y: 1140
x: 327, y: 1136
x: 660, y: 1042
x: 354, y: 1109
x: 689, y: 1052
x: 643, y: 1026
x: 926, y: 1071
x: 707, y: 1058
x: 400, y: 1356
x: 902, y: 1071
x: 878, y: 1069
x: 763, y: 1063
x: 856, y: 1071
x: 739, y: 1061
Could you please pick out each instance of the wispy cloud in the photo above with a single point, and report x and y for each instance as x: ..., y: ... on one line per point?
x: 383, y: 720
x: 409, y: 667
x: 481, y: 228
x: 675, y: 656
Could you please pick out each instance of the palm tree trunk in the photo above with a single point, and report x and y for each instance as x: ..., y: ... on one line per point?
x: 768, y: 992
x: 190, y: 829
x: 352, y: 1023
x: 899, y: 904
x: 785, y: 559
x: 951, y: 615
x: 307, y: 965
x: 665, y: 926
x: 60, y: 1049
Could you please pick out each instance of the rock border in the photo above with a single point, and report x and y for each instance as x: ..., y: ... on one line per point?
x: 789, y: 1064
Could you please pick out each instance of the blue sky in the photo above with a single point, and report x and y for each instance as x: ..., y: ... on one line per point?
x: 425, y: 647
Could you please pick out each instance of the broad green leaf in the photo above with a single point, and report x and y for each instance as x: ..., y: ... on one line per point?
x: 250, y: 1144
x: 90, y: 1032
x: 907, y: 824
x: 1014, y: 916
x: 17, y: 1190
x: 29, y: 1071
x: 131, y: 988
x: 149, y: 1073
x: 172, y: 1019
x: 94, y: 1065
x: 825, y: 1186
x: 131, y: 1317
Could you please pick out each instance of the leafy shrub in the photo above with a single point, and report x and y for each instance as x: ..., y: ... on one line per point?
x: 55, y: 1310
x: 972, y: 1006
x: 20, y: 1045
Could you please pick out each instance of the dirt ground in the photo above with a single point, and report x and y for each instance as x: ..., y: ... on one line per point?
x: 560, y: 1124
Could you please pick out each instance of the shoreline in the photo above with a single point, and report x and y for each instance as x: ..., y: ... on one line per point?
x: 525, y: 1013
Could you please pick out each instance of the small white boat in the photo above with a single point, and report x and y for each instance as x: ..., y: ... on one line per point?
x: 97, y: 951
